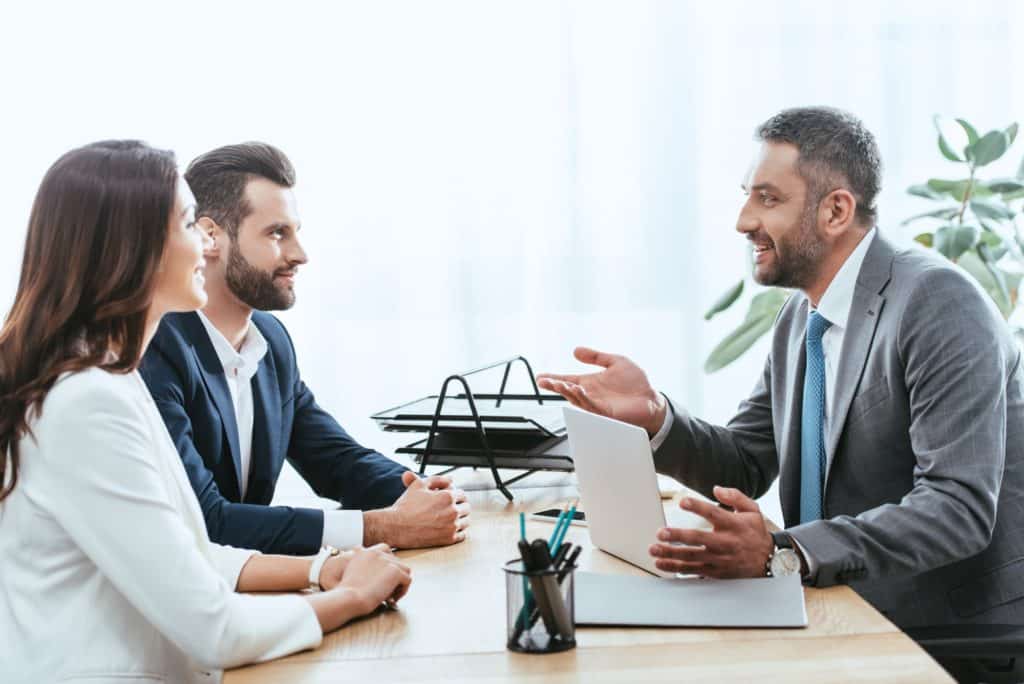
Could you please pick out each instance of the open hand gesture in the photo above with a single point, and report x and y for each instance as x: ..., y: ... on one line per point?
x: 620, y: 391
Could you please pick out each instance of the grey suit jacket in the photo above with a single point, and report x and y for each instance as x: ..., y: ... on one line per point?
x: 924, y: 491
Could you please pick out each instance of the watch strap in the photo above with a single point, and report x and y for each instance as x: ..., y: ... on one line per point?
x: 318, y: 565
x: 782, y: 540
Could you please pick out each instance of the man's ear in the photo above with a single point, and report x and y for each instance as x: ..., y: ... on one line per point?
x: 214, y: 244
x: 837, y: 212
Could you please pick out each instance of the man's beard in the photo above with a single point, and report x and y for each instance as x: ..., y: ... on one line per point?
x: 256, y: 288
x: 797, y: 257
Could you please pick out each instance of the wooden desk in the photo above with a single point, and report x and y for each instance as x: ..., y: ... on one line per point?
x: 451, y: 627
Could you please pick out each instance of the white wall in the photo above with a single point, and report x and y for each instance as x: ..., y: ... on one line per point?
x: 484, y: 179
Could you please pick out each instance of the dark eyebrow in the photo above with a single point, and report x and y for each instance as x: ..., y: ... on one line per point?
x: 765, y: 186
x: 280, y: 225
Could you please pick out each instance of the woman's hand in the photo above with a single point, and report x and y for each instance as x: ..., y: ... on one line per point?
x: 375, y: 575
x: 368, y: 578
x: 334, y: 569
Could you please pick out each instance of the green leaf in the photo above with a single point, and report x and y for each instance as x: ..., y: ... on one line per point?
x: 991, y: 210
x: 725, y: 301
x: 956, y: 189
x: 972, y: 134
x: 944, y: 146
x: 947, y: 152
x: 990, y: 278
x: 759, y: 320
x: 994, y: 245
x: 1004, y: 185
x: 1011, y: 132
x: 925, y: 191
x: 990, y: 147
x: 988, y: 226
x: 926, y: 239
x: 943, y: 213
x: 952, y: 241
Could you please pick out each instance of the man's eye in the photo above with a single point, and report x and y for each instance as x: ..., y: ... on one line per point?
x: 767, y: 199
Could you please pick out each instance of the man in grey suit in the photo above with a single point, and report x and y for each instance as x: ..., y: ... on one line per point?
x: 891, y: 403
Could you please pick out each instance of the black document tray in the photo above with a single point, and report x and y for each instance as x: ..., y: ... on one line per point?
x: 508, y: 431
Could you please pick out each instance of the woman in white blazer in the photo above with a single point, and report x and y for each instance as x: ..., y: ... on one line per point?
x: 107, y: 570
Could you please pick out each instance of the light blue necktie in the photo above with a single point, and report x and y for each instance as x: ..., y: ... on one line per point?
x: 812, y: 438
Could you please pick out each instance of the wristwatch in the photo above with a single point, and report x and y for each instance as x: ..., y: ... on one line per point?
x: 318, y: 565
x: 784, y: 559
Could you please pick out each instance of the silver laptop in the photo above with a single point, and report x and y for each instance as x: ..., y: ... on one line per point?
x: 619, y: 488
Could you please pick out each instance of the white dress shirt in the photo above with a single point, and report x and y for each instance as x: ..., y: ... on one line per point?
x: 835, y: 307
x: 342, y: 529
x: 108, y: 571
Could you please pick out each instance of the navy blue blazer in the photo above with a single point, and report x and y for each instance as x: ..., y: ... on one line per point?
x: 187, y: 381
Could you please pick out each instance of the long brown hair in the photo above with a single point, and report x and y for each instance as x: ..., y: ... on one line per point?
x: 95, y: 237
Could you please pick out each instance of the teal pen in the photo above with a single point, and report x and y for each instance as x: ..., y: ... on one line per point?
x: 552, y: 545
x: 565, y: 527
x: 522, y: 526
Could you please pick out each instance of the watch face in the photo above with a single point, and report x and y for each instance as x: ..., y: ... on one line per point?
x: 785, y: 562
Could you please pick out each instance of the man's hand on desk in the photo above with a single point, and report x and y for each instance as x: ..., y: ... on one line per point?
x: 738, y: 546
x: 430, y: 513
x: 620, y: 391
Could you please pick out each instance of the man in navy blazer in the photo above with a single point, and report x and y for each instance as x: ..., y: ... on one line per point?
x: 227, y: 384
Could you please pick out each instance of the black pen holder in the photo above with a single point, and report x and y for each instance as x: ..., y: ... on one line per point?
x: 539, y: 609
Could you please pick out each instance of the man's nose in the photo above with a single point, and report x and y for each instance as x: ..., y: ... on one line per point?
x: 747, y: 222
x: 297, y: 255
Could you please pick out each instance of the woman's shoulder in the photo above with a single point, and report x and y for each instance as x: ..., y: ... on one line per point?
x: 93, y: 389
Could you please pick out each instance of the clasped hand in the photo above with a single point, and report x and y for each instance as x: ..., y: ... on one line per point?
x: 431, y: 512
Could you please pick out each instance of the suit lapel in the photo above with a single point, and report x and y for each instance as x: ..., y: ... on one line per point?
x: 266, y: 395
x: 216, y: 383
x: 865, y: 311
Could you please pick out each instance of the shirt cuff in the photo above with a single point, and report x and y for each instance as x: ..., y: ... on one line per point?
x: 662, y: 434
x: 343, y: 529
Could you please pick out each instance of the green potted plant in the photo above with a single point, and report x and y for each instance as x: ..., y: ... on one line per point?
x: 975, y: 226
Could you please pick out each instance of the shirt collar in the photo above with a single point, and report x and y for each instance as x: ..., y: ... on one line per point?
x: 838, y: 298
x: 246, y: 360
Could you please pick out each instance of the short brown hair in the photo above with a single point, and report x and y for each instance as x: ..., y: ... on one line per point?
x: 218, y: 179
x: 835, y: 149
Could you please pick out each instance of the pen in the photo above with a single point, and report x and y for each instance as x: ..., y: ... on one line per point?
x: 524, y: 619
x: 562, y: 527
x: 552, y: 542
x: 562, y: 551
x: 568, y: 521
x: 569, y: 563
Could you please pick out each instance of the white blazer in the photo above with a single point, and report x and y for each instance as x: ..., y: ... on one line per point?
x: 106, y: 569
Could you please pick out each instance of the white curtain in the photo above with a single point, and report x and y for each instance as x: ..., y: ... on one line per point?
x: 486, y: 179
